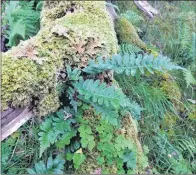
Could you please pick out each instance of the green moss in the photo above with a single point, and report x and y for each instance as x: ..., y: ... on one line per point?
x: 126, y: 33
x: 171, y: 88
x: 48, y: 104
x: 169, y: 123
x: 18, y: 81
x: 30, y: 70
x: 192, y: 114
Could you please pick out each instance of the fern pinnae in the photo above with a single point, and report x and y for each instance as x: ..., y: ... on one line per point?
x: 99, y: 93
x: 130, y: 64
x: 129, y: 48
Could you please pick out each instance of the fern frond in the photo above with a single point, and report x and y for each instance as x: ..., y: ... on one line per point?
x: 185, y: 37
x: 53, y: 166
x: 100, y: 93
x: 129, y: 48
x: 109, y: 114
x: 193, y: 48
x: 188, y: 145
x: 22, y: 19
x: 189, y: 78
x: 132, y: 17
x: 73, y: 75
x: 130, y: 64
x: 71, y: 95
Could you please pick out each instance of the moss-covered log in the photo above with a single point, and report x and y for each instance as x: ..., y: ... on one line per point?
x: 71, y: 33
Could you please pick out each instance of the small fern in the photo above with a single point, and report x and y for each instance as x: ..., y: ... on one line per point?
x: 108, y: 114
x: 73, y: 75
x: 132, y: 17
x: 185, y: 36
x: 129, y: 48
x: 22, y: 20
x: 99, y: 93
x: 188, y: 146
x: 53, y: 166
x: 130, y: 64
x: 189, y: 78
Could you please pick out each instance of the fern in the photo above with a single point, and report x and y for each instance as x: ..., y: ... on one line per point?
x: 100, y: 93
x: 73, y: 75
x: 130, y: 64
x: 189, y: 78
x: 106, y: 100
x: 71, y: 95
x: 22, y: 19
x: 108, y: 114
x: 185, y: 36
x: 188, y: 146
x: 193, y: 48
x: 129, y: 48
x: 133, y: 17
x: 53, y: 166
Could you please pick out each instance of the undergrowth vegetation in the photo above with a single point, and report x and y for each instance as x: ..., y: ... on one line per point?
x: 129, y: 113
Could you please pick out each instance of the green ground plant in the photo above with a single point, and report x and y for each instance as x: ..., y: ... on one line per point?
x: 22, y: 20
x: 100, y: 124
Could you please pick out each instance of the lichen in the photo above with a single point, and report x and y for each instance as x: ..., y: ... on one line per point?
x: 71, y: 33
x: 126, y: 33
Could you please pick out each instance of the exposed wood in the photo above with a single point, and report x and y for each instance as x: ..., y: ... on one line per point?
x: 112, y: 11
x: 12, y: 119
x: 146, y: 8
x: 9, y: 115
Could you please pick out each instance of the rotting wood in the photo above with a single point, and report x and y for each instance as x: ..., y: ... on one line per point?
x: 12, y: 119
x: 146, y: 8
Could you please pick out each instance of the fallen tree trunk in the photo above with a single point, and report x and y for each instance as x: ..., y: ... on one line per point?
x: 146, y: 8
x: 70, y: 34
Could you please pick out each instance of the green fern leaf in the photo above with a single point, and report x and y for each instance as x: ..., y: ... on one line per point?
x: 129, y: 48
x: 73, y: 75
x: 54, y: 166
x: 132, y: 17
x: 100, y: 93
x: 130, y: 64
x: 109, y: 114
x: 187, y: 145
x: 189, y: 78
